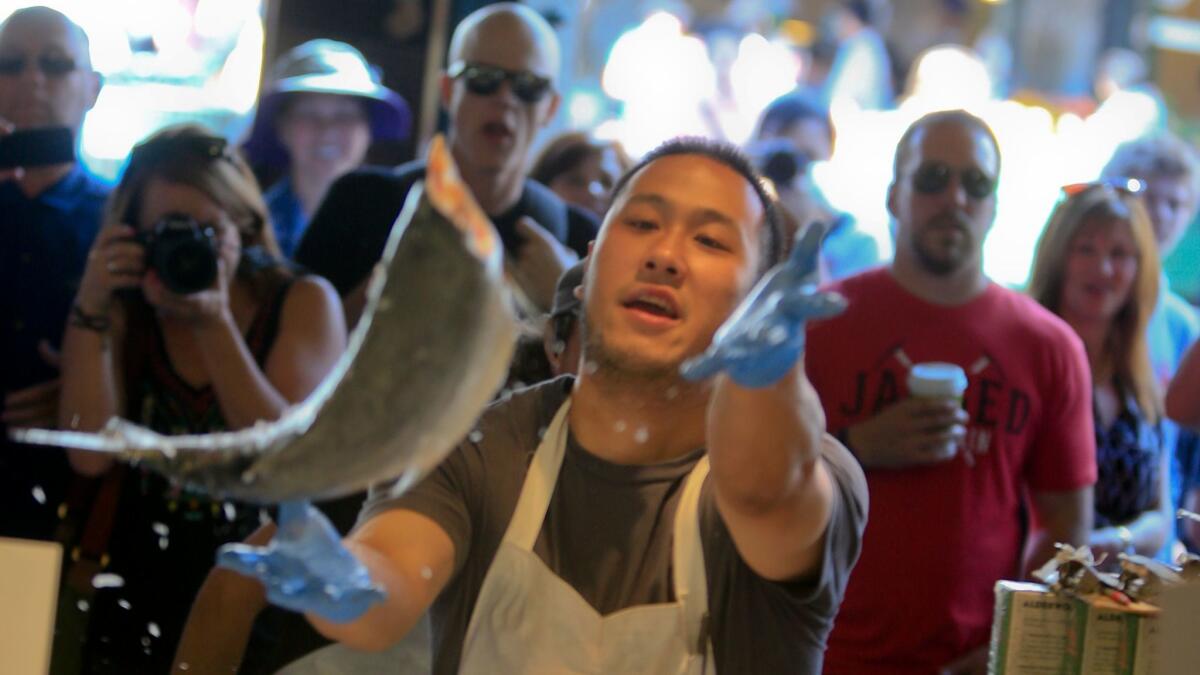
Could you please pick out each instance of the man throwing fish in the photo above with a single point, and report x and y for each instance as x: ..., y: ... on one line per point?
x: 630, y: 520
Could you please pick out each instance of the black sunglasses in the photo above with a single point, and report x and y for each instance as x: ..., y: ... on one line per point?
x: 484, y: 80
x: 53, y: 66
x: 933, y: 177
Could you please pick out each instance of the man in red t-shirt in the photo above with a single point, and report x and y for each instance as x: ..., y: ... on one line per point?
x: 950, y: 485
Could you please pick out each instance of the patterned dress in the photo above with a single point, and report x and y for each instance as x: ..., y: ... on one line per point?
x: 1128, y: 456
x: 165, y: 537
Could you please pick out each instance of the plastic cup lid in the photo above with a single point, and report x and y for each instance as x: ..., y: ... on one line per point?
x: 940, y: 372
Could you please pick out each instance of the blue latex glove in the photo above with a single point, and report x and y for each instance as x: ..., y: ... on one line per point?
x: 764, y: 337
x: 305, y: 568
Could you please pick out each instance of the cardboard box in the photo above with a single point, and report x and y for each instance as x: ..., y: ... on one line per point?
x: 1178, y: 648
x: 1109, y: 638
x: 28, y: 603
x: 1029, y: 631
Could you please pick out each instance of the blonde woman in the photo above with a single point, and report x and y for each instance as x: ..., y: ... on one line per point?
x: 1097, y: 267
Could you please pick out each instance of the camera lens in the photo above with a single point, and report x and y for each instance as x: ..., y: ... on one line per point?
x: 779, y: 160
x: 188, y: 266
x: 183, y: 253
x: 781, y: 167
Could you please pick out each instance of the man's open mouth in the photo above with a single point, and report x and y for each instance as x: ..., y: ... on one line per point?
x: 653, y: 304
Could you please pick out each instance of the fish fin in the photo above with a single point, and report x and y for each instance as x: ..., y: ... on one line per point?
x: 451, y: 196
x: 73, y: 440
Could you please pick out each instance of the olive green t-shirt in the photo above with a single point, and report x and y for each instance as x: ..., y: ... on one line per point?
x: 608, y: 533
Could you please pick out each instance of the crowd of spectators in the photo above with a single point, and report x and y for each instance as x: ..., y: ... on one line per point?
x: 1077, y: 424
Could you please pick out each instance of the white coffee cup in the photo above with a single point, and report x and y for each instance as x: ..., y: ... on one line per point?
x: 937, y: 380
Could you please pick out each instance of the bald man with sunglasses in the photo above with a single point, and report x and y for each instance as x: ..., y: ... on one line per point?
x: 952, y: 480
x: 49, y: 215
x: 498, y: 93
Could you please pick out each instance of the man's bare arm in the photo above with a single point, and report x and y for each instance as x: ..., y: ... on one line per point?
x: 773, y: 489
x: 218, y: 627
x: 1063, y: 517
x: 412, y: 557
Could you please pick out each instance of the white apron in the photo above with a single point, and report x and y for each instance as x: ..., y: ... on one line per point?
x: 528, y: 620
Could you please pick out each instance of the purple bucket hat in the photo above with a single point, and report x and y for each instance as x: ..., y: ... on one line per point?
x: 324, y: 67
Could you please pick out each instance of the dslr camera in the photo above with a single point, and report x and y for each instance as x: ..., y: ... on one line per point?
x: 182, y: 252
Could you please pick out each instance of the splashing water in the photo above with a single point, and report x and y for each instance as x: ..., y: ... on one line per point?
x: 160, y: 529
x: 641, y: 435
x: 620, y: 426
x: 475, y: 436
x: 39, y: 495
x: 153, y: 630
x: 124, y: 604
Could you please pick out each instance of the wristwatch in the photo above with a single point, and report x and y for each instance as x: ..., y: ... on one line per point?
x: 1126, y: 538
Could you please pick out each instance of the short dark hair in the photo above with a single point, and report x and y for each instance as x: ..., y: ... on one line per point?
x: 771, y: 239
x: 933, y: 119
x: 791, y: 109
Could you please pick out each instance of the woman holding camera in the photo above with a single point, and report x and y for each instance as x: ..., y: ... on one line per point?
x: 185, y: 322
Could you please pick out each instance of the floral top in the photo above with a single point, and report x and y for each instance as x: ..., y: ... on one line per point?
x: 165, y: 537
x: 1128, y: 456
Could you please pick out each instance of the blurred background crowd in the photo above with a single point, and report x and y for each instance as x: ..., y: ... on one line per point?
x: 1061, y: 83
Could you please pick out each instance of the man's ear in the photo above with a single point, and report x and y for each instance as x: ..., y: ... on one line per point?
x: 445, y: 89
x: 95, y: 83
x: 553, y: 350
x: 587, y: 262
x: 552, y: 108
x: 992, y: 217
x: 891, y: 199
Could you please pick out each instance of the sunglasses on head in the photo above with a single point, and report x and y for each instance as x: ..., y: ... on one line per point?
x: 53, y: 66
x: 932, y: 178
x: 201, y: 148
x: 484, y: 80
x: 1130, y: 186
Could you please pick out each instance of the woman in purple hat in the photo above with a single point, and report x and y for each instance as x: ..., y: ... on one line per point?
x: 321, y: 110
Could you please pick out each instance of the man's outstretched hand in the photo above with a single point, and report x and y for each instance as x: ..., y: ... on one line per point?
x: 305, y: 568
x: 762, y: 340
